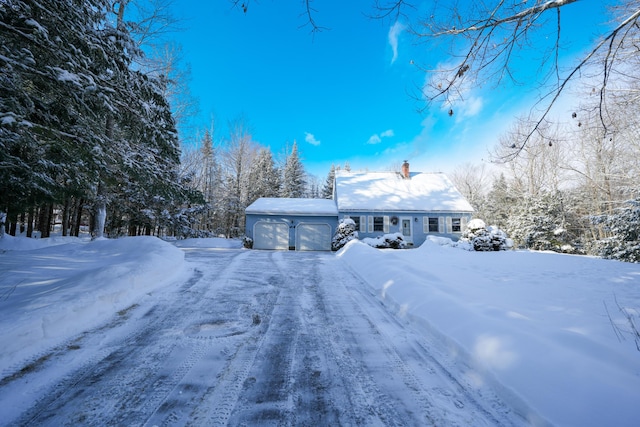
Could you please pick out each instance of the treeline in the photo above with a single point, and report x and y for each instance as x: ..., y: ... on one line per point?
x: 234, y: 171
x: 89, y: 140
x: 86, y: 131
x: 573, y: 187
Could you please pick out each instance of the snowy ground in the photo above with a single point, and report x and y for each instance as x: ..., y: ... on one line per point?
x: 137, y: 331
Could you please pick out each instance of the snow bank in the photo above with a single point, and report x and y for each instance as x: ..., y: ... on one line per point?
x: 537, y: 323
x: 50, y: 294
x: 212, y: 242
x: 8, y: 242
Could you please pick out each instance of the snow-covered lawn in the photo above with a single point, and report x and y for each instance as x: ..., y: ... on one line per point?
x: 553, y: 329
x: 548, y: 330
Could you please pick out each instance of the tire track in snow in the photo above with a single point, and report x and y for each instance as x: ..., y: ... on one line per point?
x: 287, y: 338
x: 141, y: 370
x: 349, y: 380
x: 444, y: 396
x: 216, y: 404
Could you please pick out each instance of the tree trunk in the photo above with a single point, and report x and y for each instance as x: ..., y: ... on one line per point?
x: 78, y: 217
x: 44, y: 220
x: 3, y: 223
x: 99, y: 218
x: 30, y: 219
x: 22, y: 221
x: 65, y: 216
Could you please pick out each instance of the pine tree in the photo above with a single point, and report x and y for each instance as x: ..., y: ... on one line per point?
x: 499, y: 202
x: 624, y: 228
x: 294, y: 177
x: 77, y: 121
x: 327, y: 189
x: 210, y: 184
x: 539, y: 223
x: 263, y: 179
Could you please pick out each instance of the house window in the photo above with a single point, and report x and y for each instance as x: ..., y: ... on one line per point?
x: 456, y: 225
x: 361, y: 222
x: 378, y: 223
x: 356, y: 219
x: 433, y: 224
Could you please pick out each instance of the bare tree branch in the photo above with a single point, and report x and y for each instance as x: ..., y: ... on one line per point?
x: 308, y: 13
x: 492, y: 21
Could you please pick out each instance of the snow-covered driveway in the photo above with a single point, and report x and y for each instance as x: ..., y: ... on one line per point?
x: 254, y: 337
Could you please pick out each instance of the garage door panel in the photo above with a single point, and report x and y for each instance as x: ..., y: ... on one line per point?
x: 271, y: 235
x: 313, y: 237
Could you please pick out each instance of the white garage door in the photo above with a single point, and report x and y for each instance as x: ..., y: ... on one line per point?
x: 270, y: 235
x: 313, y: 237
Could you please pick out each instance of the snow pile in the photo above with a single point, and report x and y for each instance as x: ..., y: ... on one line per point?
x: 211, y: 242
x: 552, y: 328
x: 69, y: 285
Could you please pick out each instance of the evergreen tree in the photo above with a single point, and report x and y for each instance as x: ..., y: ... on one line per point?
x: 264, y: 179
x: 210, y: 184
x: 624, y: 228
x: 499, y: 202
x: 327, y: 189
x: 539, y: 223
x: 77, y: 121
x: 313, y: 191
x: 293, y: 176
x: 345, y: 232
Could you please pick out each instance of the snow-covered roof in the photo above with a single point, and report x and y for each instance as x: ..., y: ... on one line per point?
x: 389, y: 191
x: 278, y: 206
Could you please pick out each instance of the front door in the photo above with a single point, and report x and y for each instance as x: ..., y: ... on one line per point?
x: 407, y: 230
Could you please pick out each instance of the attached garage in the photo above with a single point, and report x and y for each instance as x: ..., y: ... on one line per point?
x: 300, y: 224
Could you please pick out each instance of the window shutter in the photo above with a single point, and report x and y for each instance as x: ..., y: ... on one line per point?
x: 370, y: 224
x: 463, y: 224
x: 441, y: 224
x: 449, y: 226
x: 385, y: 224
x: 363, y: 223
x: 425, y: 224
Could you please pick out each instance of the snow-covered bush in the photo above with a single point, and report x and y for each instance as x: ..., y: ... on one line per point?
x: 483, y: 238
x: 540, y: 223
x: 247, y: 242
x: 624, y: 227
x: 392, y: 241
x: 345, y: 232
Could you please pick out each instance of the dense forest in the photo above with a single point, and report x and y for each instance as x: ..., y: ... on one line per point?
x: 88, y: 133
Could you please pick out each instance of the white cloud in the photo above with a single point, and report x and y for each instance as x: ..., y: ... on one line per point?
x: 374, y: 139
x: 394, y: 34
x: 474, y: 106
x: 377, y: 138
x: 311, y: 139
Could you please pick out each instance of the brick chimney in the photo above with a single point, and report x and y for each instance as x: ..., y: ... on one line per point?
x: 405, y: 170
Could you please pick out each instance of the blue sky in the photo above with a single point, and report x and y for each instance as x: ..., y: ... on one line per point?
x: 346, y: 93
